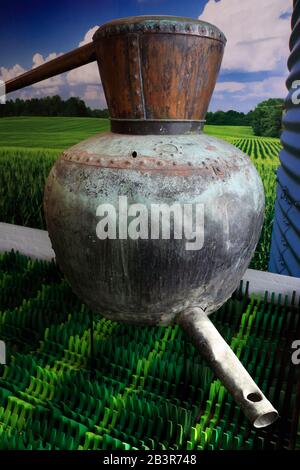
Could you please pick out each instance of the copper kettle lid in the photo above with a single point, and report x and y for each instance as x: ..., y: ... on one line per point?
x: 158, y: 72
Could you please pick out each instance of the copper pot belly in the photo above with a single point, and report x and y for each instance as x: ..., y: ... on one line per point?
x: 150, y: 281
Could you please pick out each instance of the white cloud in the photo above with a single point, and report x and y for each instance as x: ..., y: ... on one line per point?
x: 94, y: 95
x: 7, y: 74
x: 258, y: 34
x: 256, y: 30
x: 38, y: 59
x: 88, y: 37
x: 230, y: 87
x: 246, y: 95
x: 272, y: 87
x: 88, y: 74
x: 91, y: 92
x: 40, y: 92
x: 50, y: 83
x: 269, y: 87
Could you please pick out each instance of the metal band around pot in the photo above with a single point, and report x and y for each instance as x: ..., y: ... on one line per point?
x: 155, y: 127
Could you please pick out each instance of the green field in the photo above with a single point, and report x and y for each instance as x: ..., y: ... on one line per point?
x: 30, y: 145
x: 229, y: 131
x: 60, y: 132
x: 48, y: 132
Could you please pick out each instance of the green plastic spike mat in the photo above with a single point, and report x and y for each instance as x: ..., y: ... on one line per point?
x: 150, y: 389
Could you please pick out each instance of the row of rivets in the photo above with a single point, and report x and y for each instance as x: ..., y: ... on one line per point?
x: 217, y: 167
x: 145, y: 162
x: 162, y: 27
x: 135, y: 73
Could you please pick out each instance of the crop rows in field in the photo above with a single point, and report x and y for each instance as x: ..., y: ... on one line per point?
x: 264, y: 154
x: 22, y: 180
x: 259, y: 148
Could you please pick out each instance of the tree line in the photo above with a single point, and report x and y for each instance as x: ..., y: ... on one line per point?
x: 265, y: 119
x: 50, y: 106
x: 228, y: 118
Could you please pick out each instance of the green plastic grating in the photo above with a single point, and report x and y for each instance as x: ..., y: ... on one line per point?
x: 150, y: 390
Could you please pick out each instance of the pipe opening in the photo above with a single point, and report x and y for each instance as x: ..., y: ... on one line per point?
x: 265, y: 419
x: 254, y: 397
x: 134, y: 154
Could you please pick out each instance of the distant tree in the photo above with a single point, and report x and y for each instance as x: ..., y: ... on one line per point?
x: 100, y: 113
x: 249, y: 118
x: 266, y: 118
x: 75, y: 107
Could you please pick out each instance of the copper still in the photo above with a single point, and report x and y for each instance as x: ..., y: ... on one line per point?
x: 158, y: 75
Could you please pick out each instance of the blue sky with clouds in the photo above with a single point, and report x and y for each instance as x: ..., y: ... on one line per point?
x: 253, y: 69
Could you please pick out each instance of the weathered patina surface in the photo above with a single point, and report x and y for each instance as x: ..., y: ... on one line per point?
x: 150, y: 281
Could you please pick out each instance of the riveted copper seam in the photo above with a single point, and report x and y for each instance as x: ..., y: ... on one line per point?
x: 134, y: 67
x: 151, y: 164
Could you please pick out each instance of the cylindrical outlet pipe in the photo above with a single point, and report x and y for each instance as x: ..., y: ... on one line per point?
x: 227, y: 367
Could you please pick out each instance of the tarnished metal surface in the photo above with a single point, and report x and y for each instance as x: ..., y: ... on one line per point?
x: 228, y: 368
x: 35, y: 244
x: 169, y: 156
x: 151, y: 281
x: 285, y: 254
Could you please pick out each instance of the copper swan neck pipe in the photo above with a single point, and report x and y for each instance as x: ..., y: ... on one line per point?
x: 76, y: 58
